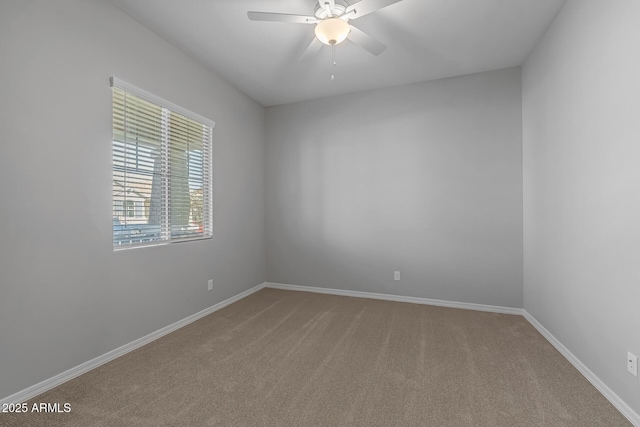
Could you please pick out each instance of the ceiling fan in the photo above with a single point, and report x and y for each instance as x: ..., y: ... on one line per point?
x: 331, y: 18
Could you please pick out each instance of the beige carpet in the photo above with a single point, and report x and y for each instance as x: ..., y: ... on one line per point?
x: 283, y: 358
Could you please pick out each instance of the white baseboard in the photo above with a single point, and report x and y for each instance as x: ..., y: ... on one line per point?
x: 72, y: 373
x: 398, y: 298
x: 620, y: 404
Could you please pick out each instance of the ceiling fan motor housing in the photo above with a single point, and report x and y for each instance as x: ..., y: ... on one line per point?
x: 339, y: 10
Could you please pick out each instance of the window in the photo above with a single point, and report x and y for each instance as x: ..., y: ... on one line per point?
x: 129, y: 208
x: 118, y: 209
x: 162, y: 169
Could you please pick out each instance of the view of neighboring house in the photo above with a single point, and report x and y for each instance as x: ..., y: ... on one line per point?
x: 131, y: 203
x: 132, y: 200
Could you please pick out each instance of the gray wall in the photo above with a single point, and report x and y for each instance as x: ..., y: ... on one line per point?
x: 65, y: 296
x: 581, y: 120
x: 423, y: 178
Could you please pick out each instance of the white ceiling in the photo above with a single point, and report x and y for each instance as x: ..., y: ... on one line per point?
x: 426, y: 40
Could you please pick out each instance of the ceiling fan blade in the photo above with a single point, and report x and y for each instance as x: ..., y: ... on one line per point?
x: 281, y: 17
x: 365, y: 7
x: 311, y: 50
x: 365, y: 41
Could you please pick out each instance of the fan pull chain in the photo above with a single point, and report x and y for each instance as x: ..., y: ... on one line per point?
x: 333, y: 53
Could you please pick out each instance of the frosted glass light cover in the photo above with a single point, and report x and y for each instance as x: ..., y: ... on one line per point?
x: 332, y: 31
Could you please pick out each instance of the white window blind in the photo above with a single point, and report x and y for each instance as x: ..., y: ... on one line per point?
x: 162, y: 170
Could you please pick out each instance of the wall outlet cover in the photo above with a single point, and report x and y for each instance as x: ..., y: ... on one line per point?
x: 632, y: 364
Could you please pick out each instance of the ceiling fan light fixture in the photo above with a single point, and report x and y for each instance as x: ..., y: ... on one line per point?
x: 332, y: 31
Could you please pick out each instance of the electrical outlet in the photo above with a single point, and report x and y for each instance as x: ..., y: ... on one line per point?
x: 210, y: 284
x: 632, y: 364
x: 396, y: 275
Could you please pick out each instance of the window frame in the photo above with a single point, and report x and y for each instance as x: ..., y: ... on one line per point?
x: 165, y: 235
